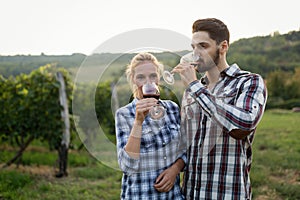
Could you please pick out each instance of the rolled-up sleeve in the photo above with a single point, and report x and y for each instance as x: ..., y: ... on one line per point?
x: 244, y: 113
x: 160, y: 142
x: 127, y: 164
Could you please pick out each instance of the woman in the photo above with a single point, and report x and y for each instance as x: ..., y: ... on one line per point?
x: 148, y: 150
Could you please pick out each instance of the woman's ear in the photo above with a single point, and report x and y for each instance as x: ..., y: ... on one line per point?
x: 132, y: 79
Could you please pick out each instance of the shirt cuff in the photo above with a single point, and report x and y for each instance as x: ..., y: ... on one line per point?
x: 195, y: 86
x: 184, y: 158
x: 128, y: 164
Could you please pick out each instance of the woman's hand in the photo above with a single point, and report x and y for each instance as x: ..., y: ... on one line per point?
x: 166, y: 180
x: 142, y: 108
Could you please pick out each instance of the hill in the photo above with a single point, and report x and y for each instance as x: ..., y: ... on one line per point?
x: 268, y: 53
x: 261, y: 54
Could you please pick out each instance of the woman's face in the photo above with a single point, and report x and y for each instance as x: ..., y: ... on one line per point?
x: 145, y: 73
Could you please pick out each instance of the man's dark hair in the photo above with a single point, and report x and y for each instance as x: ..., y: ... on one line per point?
x: 216, y: 29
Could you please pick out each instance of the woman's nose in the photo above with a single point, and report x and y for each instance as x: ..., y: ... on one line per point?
x: 148, y: 80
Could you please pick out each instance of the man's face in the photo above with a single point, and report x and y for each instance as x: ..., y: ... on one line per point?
x: 207, y: 49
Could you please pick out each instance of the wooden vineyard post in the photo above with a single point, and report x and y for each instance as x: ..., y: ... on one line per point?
x: 63, y: 148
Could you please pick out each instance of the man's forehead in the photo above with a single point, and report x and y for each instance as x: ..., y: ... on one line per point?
x: 201, y: 37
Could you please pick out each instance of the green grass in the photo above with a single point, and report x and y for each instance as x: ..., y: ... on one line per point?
x: 34, y: 178
x: 11, y: 181
x: 276, y: 159
x: 46, y: 188
x: 275, y: 172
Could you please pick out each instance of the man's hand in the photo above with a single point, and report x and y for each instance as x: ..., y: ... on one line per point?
x: 187, y: 73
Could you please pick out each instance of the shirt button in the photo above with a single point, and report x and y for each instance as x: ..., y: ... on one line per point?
x: 165, y: 157
x: 164, y: 144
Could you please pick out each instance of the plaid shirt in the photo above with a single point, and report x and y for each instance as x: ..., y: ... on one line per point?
x: 159, y: 149
x: 218, y: 165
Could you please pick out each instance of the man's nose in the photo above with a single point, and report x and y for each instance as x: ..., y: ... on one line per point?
x: 196, y: 51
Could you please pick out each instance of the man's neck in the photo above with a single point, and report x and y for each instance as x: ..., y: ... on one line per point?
x: 213, y: 75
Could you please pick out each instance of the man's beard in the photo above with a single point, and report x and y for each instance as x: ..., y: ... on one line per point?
x: 210, y: 64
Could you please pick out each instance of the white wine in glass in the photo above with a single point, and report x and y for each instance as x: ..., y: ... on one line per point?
x: 189, y: 58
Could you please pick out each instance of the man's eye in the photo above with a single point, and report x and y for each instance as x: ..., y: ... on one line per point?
x: 202, y: 46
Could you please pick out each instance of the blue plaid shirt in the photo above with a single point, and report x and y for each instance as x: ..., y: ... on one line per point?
x: 218, y: 165
x: 160, y: 148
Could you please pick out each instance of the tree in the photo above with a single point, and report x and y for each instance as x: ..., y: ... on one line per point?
x: 31, y: 109
x: 276, y: 84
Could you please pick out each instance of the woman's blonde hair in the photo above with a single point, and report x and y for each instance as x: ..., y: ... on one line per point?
x: 137, y: 60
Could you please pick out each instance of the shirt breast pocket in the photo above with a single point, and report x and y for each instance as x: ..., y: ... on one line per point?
x: 191, y: 110
x: 167, y: 134
x: 229, y: 96
x: 147, y: 140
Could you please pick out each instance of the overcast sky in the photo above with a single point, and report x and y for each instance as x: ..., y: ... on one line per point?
x: 57, y: 27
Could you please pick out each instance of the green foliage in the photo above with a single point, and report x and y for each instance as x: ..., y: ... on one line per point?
x: 24, y: 64
x: 280, y: 103
x: 274, y: 171
x: 275, y: 57
x: 268, y: 53
x: 283, y: 89
x: 262, y: 54
x: 31, y: 108
x: 103, y: 107
x: 30, y: 97
x: 168, y: 94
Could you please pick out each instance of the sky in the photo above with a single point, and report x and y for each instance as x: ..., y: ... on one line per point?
x: 61, y: 27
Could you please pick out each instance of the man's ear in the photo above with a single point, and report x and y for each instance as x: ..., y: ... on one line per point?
x: 223, y: 46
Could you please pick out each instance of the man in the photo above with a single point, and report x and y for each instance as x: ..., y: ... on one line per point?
x: 220, y: 113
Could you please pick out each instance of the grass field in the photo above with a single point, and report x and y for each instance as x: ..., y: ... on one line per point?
x: 276, y: 164
x: 275, y: 173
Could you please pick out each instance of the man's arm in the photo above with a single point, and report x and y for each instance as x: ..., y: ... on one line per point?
x: 242, y: 117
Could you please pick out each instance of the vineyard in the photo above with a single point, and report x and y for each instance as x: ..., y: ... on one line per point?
x: 274, y: 175
x: 32, y: 126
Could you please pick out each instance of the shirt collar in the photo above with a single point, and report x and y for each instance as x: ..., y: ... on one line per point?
x: 231, y: 71
x: 133, y: 102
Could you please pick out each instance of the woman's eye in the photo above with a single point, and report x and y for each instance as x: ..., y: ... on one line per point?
x: 153, y: 76
x: 140, y: 77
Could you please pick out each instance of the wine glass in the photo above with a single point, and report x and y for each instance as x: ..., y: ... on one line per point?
x: 151, y: 90
x: 189, y: 58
